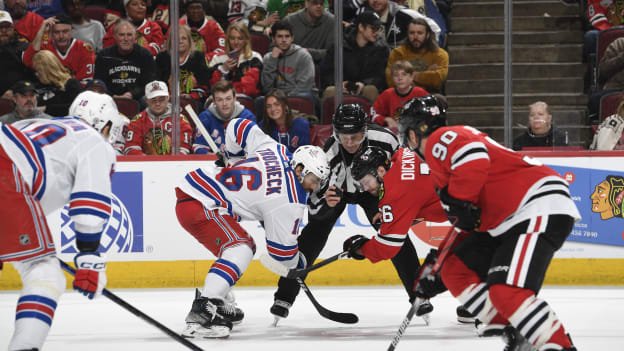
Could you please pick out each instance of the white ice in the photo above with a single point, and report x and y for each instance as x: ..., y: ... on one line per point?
x: 594, y: 316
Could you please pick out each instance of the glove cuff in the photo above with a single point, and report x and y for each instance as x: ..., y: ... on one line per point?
x: 94, y: 261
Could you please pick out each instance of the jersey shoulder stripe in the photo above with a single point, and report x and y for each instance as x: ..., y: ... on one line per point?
x: 241, y: 130
x: 475, y: 150
x: 34, y: 156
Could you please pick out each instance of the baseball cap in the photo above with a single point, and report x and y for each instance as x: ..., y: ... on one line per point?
x: 368, y: 18
x: 23, y: 86
x: 5, y: 17
x: 96, y: 83
x: 155, y: 89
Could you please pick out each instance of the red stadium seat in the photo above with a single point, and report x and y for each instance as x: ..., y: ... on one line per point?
x: 95, y: 13
x: 302, y: 104
x: 260, y: 43
x: 128, y: 107
x: 319, y: 133
x: 6, y: 106
x: 328, y: 109
x: 246, y: 101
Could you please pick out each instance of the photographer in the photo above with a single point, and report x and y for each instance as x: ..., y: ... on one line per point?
x: 365, y: 56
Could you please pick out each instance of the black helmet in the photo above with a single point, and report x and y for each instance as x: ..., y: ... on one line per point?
x: 423, y: 115
x: 350, y: 119
x: 367, y: 161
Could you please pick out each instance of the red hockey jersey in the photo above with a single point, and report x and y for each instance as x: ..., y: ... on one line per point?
x: 143, y: 124
x: 390, y: 104
x: 28, y: 26
x: 407, y: 195
x: 208, y: 38
x: 149, y: 36
x: 79, y: 58
x: 504, y: 184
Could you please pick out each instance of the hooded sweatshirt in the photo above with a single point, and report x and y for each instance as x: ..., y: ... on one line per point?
x: 316, y: 37
x: 215, y: 125
x: 292, y: 72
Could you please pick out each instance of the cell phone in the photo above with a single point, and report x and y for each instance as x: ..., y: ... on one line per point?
x: 234, y: 54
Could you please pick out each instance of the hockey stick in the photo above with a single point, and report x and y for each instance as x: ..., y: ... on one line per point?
x: 199, y: 125
x: 274, y: 266
x: 116, y: 299
x: 443, y: 254
x: 347, y: 318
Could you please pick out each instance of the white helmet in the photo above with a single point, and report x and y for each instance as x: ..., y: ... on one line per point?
x: 313, y: 160
x: 98, y: 110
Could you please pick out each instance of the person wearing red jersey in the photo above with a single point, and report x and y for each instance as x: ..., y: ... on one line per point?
x: 208, y: 36
x: 517, y: 211
x: 149, y: 132
x: 149, y: 33
x: 406, y: 195
x: 25, y: 22
x: 55, y: 35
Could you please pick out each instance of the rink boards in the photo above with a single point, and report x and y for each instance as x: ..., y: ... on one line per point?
x: 146, y: 247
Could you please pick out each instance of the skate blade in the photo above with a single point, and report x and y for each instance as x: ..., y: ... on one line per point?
x: 195, y: 330
x: 276, y: 320
x: 426, y: 318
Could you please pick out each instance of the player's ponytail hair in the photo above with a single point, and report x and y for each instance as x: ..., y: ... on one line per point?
x: 50, y: 70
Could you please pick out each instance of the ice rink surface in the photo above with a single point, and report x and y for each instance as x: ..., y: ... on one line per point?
x: 593, y: 315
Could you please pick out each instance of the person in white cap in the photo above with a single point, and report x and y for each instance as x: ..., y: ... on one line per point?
x: 11, y: 50
x: 149, y: 132
x: 26, y: 22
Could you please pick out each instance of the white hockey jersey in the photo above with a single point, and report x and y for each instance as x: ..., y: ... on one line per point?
x: 65, y: 161
x: 260, y: 187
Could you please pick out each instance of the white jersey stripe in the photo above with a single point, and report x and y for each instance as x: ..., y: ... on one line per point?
x: 471, y: 157
x: 461, y: 151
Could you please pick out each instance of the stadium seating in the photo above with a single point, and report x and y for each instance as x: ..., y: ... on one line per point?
x: 6, y: 106
x: 96, y: 13
x: 260, y: 43
x: 327, y: 105
x: 128, y: 107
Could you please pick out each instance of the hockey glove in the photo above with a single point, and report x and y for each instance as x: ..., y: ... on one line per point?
x: 220, y: 162
x: 353, y: 244
x: 428, y: 285
x: 463, y: 214
x: 90, y: 278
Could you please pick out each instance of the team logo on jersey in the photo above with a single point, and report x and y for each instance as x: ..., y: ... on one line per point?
x: 382, y: 191
x: 124, y: 230
x: 608, y: 198
x: 24, y: 239
x: 88, y: 47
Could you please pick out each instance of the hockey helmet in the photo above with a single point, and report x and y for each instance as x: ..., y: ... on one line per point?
x: 313, y: 160
x: 367, y: 161
x: 100, y: 110
x: 423, y: 115
x: 350, y: 119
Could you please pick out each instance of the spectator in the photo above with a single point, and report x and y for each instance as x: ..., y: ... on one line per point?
x: 259, y: 19
x: 125, y: 67
x: 602, y: 14
x: 57, y: 89
x: 194, y: 72
x: 281, y: 125
x: 216, y: 117
x: 313, y: 28
x: 351, y: 9
x: 25, y: 99
x: 88, y: 30
x: 98, y: 86
x: 422, y: 51
x: 540, y: 132
x: 387, y: 10
x: 389, y: 104
x: 284, y: 8
x: 149, y: 132
x: 157, y: 11
x: 608, y: 136
x: 208, y: 37
x: 288, y: 66
x: 239, y: 64
x: 11, y: 50
x: 45, y: 8
x: 149, y: 34
x: 364, y: 59
x: 26, y: 23
x: 55, y: 35
x: 611, y: 70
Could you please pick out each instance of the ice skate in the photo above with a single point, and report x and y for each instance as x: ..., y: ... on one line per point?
x: 230, y: 311
x: 423, y: 311
x: 203, y: 320
x: 463, y: 316
x: 514, y: 341
x: 279, y: 310
x: 488, y: 330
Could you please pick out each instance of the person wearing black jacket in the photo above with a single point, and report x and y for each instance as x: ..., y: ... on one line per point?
x: 365, y: 56
x: 11, y: 50
x: 125, y: 67
x: 541, y: 132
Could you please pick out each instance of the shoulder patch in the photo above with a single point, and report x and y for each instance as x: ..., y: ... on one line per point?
x: 135, y: 118
x: 424, y: 168
x: 88, y: 47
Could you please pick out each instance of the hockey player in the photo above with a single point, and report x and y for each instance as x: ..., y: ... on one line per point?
x: 518, y: 213
x: 406, y: 195
x: 269, y: 185
x: 351, y: 134
x: 44, y: 165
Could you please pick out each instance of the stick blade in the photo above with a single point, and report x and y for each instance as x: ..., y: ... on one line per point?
x: 273, y: 265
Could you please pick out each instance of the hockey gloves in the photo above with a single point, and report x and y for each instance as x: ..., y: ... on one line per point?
x: 353, y: 244
x: 462, y: 214
x: 220, y: 162
x: 428, y: 285
x: 90, y: 278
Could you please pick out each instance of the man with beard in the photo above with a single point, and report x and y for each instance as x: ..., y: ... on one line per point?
x: 25, y: 100
x: 55, y: 35
x: 88, y: 30
x: 11, y: 50
x: 26, y: 23
x: 422, y: 51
